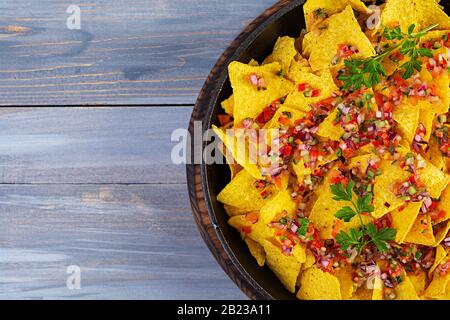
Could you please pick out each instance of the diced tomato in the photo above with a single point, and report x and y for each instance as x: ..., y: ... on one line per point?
x: 224, y: 119
x: 302, y: 87
x: 315, y: 93
x: 251, y: 217
x: 246, y: 229
x: 287, y: 150
x: 379, y: 98
x: 284, y: 120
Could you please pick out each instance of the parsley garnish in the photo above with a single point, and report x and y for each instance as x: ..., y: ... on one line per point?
x: 368, y: 234
x: 303, y: 229
x: 368, y: 72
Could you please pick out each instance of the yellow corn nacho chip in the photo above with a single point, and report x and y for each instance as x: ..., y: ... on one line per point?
x: 234, y: 211
x: 440, y: 232
x: 283, y: 52
x: 434, y: 179
x: 285, y: 116
x: 426, y: 117
x: 257, y: 251
x: 421, y: 231
x: 404, y: 218
x: 440, y: 255
x: 406, y: 290
x: 286, y: 268
x: 438, y: 288
x: 309, y: 89
x: 434, y: 154
x: 279, y: 206
x: 310, y: 260
x: 228, y: 105
x: 422, y: 13
x: 377, y: 292
x: 328, y: 129
x: 385, y: 200
x: 316, y: 10
x: 250, y: 99
x: 242, y: 223
x: 418, y: 280
x: 341, y: 29
x: 444, y: 205
x: 319, y: 285
x: 240, y: 150
x: 407, y: 117
x: 242, y: 193
x: 344, y: 276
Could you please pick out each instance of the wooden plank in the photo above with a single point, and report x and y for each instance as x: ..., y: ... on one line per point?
x: 126, y: 52
x: 90, y: 145
x: 131, y: 242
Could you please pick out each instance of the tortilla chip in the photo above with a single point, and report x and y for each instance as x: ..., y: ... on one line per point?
x: 443, y: 229
x: 434, y: 35
x: 228, y: 105
x: 407, y: 117
x: 406, y: 289
x: 418, y: 281
x: 344, y: 275
x: 403, y: 220
x: 329, y: 130
x: 248, y: 100
x: 434, y: 154
x: 234, y: 167
x: 434, y: 179
x: 240, y: 151
x: 319, y: 285
x: 385, y: 200
x: 242, y: 223
x: 234, y: 211
x: 279, y: 206
x: 442, y: 84
x: 440, y: 255
x: 286, y: 268
x: 426, y: 117
x: 310, y: 260
x: 242, y: 193
x: 324, y: 83
x: 422, y: 231
x: 292, y: 114
x: 444, y: 205
x: 377, y: 293
x: 362, y: 293
x: 342, y: 28
x: 422, y: 13
x: 329, y: 7
x: 257, y: 251
x: 283, y: 52
x: 438, y: 288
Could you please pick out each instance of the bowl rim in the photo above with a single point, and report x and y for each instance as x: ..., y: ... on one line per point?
x: 197, y: 176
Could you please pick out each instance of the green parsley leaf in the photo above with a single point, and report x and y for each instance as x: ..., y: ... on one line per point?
x: 346, y: 214
x: 303, y: 229
x: 340, y: 193
x: 352, y: 239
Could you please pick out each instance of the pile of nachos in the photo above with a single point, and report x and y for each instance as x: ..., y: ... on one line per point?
x: 351, y: 198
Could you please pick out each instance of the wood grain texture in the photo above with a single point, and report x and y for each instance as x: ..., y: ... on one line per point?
x: 126, y: 52
x: 90, y: 145
x: 131, y: 242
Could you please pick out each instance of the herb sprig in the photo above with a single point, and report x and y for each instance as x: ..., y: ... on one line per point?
x: 368, y: 72
x: 368, y: 234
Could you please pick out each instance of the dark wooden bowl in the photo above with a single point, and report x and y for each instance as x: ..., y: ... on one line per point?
x: 206, y: 181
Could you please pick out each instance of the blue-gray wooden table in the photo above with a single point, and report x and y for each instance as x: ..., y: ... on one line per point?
x: 86, y: 116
